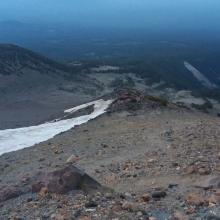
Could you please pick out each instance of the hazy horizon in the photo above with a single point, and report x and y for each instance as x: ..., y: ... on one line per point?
x: 161, y: 14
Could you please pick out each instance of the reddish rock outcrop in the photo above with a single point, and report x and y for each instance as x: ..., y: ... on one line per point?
x: 64, y: 180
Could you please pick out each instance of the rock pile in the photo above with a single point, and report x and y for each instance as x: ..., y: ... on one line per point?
x: 127, y: 100
x: 132, y: 100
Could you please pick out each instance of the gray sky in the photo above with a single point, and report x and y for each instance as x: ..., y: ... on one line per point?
x: 117, y: 13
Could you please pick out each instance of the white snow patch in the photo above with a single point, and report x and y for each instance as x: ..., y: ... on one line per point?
x: 105, y: 68
x: 199, y: 76
x: 19, y: 138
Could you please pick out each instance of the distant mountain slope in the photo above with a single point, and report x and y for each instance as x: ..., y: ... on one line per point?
x: 14, y: 60
x: 33, y: 88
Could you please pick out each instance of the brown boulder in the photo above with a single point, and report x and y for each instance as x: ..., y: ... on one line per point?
x: 64, y: 180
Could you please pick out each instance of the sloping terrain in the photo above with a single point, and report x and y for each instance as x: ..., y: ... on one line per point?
x: 157, y: 157
x: 34, y: 89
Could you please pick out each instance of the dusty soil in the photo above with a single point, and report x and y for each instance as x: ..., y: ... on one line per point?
x: 151, y: 158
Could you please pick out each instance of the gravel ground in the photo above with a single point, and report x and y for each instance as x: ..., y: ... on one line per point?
x: 152, y: 159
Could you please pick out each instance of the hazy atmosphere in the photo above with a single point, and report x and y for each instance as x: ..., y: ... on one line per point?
x: 163, y: 14
x: 109, y: 109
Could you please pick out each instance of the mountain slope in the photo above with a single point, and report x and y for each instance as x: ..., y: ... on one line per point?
x: 34, y: 88
x: 153, y: 157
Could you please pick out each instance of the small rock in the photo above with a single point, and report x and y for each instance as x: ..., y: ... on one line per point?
x: 130, y: 206
x: 43, y: 191
x: 213, y: 217
x: 109, y: 196
x: 217, y: 192
x: 91, y: 204
x: 41, y: 159
x: 128, y: 195
x: 139, y: 214
x: 158, y: 194
x: 151, y: 160
x: 29, y: 199
x: 214, y: 199
x: 58, y: 217
x: 145, y: 197
x: 172, y: 185
x: 85, y: 218
x: 190, y: 210
x: 111, y: 179
x: 58, y: 151
x: 204, y: 171
x: 72, y: 159
x: 208, y: 182
x: 195, y: 199
x: 191, y: 169
x: 104, y: 145
x: 179, y: 216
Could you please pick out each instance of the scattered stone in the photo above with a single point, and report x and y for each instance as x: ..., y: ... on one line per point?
x: 91, y: 204
x: 130, y: 206
x: 43, y: 191
x: 41, y: 159
x: 58, y: 151
x: 128, y: 195
x: 29, y: 199
x: 158, y: 194
x: 146, y: 197
x: 179, y: 216
x: 208, y: 182
x: 139, y: 214
x: 172, y: 185
x: 104, y: 145
x: 195, y: 199
x: 204, y: 171
x: 72, y: 159
x: 111, y: 179
x: 214, y: 199
x: 85, y: 218
x: 151, y: 160
x: 213, y: 217
x: 109, y: 196
x: 9, y: 192
x: 58, y: 217
x: 191, y: 169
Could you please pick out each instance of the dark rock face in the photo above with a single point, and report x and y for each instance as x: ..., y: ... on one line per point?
x: 64, y: 180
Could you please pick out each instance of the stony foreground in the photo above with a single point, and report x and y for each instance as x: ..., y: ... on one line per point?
x: 154, y: 163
